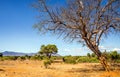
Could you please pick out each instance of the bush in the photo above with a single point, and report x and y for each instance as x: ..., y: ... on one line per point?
x: 47, y: 63
x: 9, y: 57
x: 36, y: 57
x: 93, y: 60
x: 5, y: 58
x: 27, y: 57
x: 82, y: 59
x: 13, y: 57
x: 85, y: 59
x: 21, y: 58
x: 70, y: 59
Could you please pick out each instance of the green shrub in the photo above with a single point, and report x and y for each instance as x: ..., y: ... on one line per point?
x: 21, y: 58
x: 13, y: 57
x: 27, y: 57
x: 5, y: 58
x: 9, y: 57
x: 87, y: 60
x: 93, y: 60
x: 70, y: 59
x: 82, y: 59
x: 36, y: 57
x: 47, y: 63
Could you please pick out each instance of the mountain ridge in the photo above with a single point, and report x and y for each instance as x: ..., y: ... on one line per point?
x: 12, y: 53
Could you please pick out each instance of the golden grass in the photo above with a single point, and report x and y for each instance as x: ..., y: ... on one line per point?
x: 36, y: 69
x: 111, y: 74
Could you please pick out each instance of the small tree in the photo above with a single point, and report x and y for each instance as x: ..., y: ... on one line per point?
x: 48, y: 50
x: 88, y: 55
x: 93, y: 54
x: 114, y: 56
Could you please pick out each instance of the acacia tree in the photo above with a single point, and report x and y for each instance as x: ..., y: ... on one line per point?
x: 85, y: 21
x: 48, y: 50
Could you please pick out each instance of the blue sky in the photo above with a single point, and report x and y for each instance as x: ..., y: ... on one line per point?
x: 17, y: 18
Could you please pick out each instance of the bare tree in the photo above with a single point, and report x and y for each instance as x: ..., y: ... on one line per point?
x: 85, y: 21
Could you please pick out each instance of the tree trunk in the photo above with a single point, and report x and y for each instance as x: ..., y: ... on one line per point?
x: 96, y: 50
x: 102, y: 59
x: 104, y: 63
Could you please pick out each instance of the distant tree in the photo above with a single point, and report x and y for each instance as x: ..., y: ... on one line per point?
x: 1, y: 54
x: 48, y: 50
x: 27, y: 56
x: 85, y: 21
x: 93, y: 54
x: 114, y: 55
x: 88, y: 54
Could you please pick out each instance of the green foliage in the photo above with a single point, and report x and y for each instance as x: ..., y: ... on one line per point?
x: 56, y: 58
x: 21, y: 58
x: 70, y: 59
x: 82, y: 59
x: 79, y: 59
x: 93, y: 60
x: 88, y: 54
x: 93, y: 55
x: 85, y: 59
x: 36, y: 57
x: 114, y: 55
x: 9, y: 57
x: 27, y: 57
x: 47, y: 63
x: 48, y: 50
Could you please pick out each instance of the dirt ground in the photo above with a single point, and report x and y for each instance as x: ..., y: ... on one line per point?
x: 36, y: 69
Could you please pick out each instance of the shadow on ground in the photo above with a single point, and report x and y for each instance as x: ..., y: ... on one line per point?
x: 2, y: 70
x: 95, y: 68
x: 85, y: 70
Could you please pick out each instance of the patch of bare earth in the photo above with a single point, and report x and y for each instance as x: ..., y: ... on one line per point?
x: 36, y: 69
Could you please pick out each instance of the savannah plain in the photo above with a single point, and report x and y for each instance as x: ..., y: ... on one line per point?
x: 29, y: 68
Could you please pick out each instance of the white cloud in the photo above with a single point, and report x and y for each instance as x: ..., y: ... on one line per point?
x: 76, y: 51
x: 109, y: 48
x: 102, y: 47
x: 116, y: 49
x: 85, y: 50
x: 67, y: 50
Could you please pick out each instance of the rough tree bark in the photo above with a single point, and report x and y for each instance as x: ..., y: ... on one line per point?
x: 102, y: 58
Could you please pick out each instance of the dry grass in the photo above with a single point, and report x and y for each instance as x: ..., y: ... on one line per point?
x: 36, y: 69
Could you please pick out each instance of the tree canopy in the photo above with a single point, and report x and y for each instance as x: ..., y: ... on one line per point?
x: 48, y: 50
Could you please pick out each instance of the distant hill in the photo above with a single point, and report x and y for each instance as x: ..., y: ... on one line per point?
x: 11, y: 53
